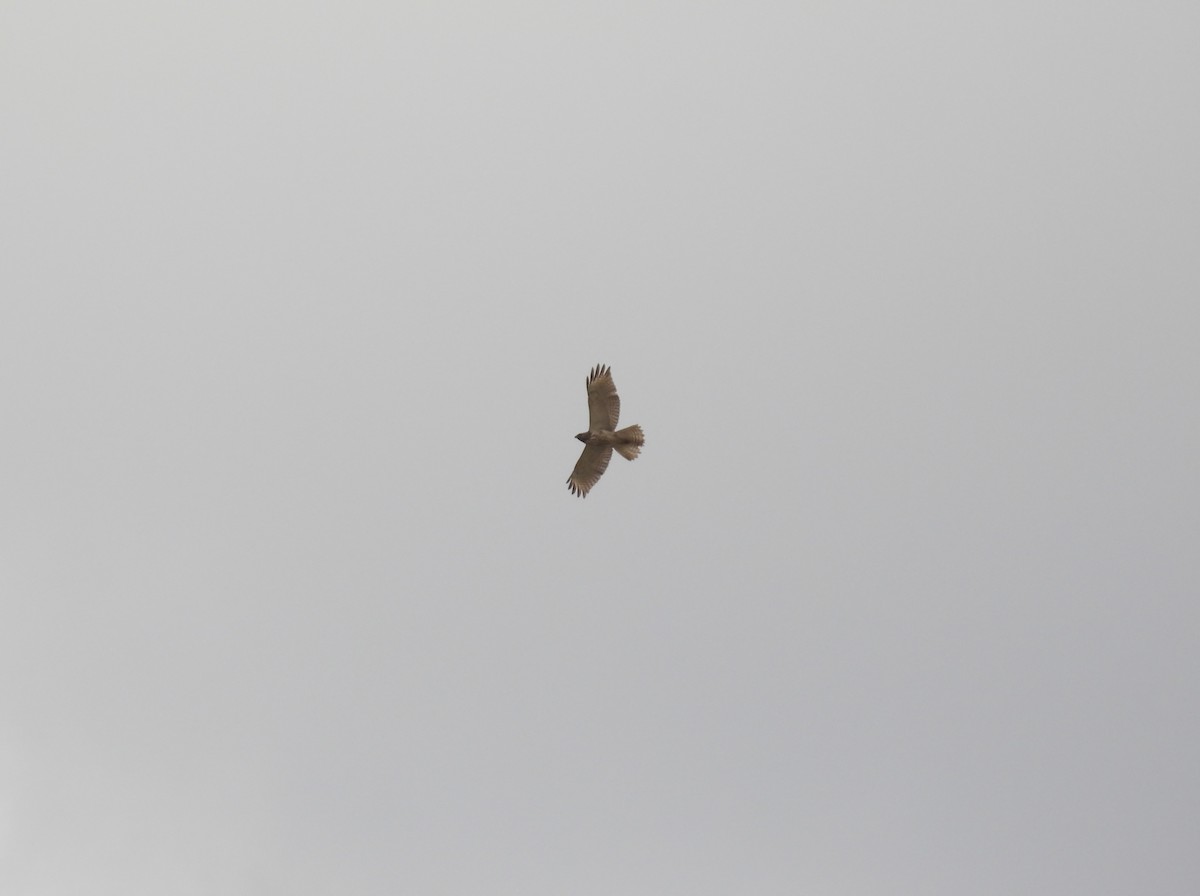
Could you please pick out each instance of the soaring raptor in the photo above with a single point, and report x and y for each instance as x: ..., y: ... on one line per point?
x: 602, y: 435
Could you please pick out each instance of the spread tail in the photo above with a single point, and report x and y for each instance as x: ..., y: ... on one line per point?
x: 630, y: 441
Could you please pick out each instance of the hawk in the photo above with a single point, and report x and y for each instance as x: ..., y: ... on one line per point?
x: 602, y: 435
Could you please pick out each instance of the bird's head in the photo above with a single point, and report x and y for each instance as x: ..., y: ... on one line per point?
x: 583, y: 437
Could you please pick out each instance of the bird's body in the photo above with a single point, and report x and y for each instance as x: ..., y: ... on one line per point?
x: 602, y: 435
x: 630, y: 436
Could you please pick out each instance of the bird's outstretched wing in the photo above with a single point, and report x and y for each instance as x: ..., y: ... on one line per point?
x: 604, y: 407
x: 588, y: 470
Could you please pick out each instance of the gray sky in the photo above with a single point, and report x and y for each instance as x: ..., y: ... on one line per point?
x: 297, y: 305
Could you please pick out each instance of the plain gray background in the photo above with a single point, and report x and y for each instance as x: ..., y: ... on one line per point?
x: 298, y: 302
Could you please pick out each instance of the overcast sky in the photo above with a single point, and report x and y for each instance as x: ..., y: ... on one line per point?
x: 298, y: 301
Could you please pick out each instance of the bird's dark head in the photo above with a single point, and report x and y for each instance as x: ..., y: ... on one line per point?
x: 584, y: 436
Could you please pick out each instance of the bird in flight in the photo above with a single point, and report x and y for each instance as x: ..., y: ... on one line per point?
x: 602, y: 436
